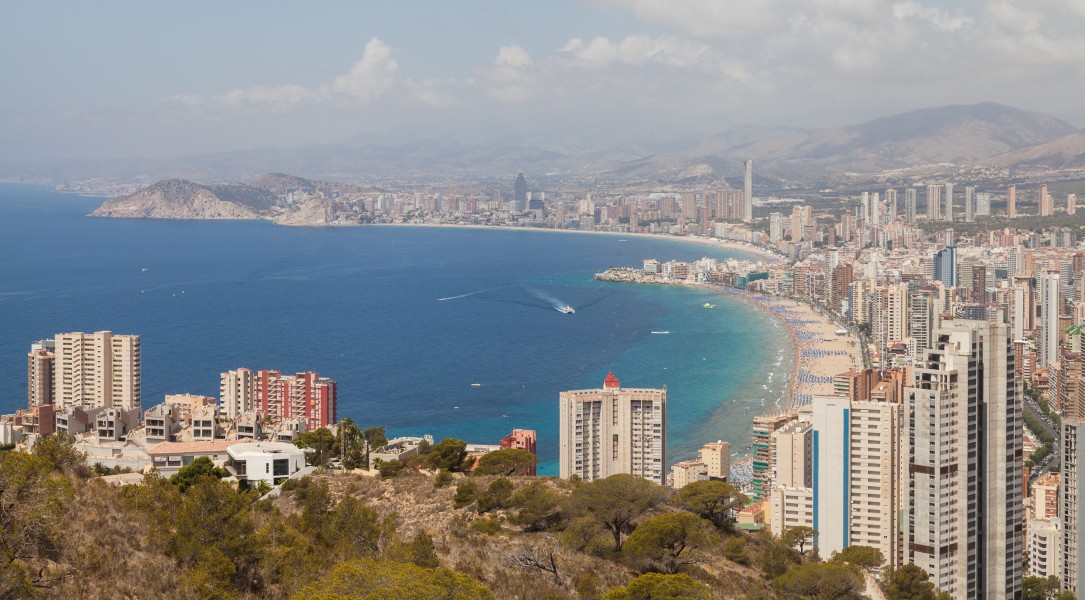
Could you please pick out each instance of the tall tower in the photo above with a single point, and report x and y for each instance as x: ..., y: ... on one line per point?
x: 96, y: 370
x: 1072, y: 505
x: 891, y: 203
x: 748, y: 203
x: 1045, y: 202
x: 613, y: 430
x: 964, y: 492
x: 949, y: 202
x: 970, y: 204
x: 909, y: 204
x: 1011, y: 201
x: 1049, y: 317
x: 934, y: 202
x: 945, y: 266
x: 1071, y: 204
x: 237, y: 392
x: 519, y: 195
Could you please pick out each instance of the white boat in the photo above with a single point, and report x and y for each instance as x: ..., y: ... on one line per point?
x: 661, y: 333
x: 476, y: 385
x: 841, y: 332
x: 568, y: 310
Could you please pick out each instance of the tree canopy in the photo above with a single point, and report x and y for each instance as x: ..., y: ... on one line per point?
x: 505, y: 462
x: 670, y: 539
x: 386, y: 580
x: 656, y: 586
x: 821, y: 580
x: 712, y: 500
x: 615, y: 502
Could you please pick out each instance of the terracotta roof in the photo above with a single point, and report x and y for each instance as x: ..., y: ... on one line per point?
x: 611, y: 381
x: 191, y: 447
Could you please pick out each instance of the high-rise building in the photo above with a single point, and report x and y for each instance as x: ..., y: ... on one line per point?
x: 748, y: 200
x: 306, y: 395
x: 964, y: 467
x: 856, y: 481
x: 1011, y: 201
x: 1049, y: 317
x: 945, y: 266
x: 1072, y: 507
x: 237, y: 392
x: 909, y: 204
x: 1045, y: 530
x: 934, y: 202
x: 1044, y: 200
x: 519, y: 193
x: 891, y: 203
x: 776, y: 227
x: 948, y: 214
x: 983, y: 205
x: 970, y: 204
x: 613, y: 430
x: 96, y: 370
x: 764, y: 450
x: 39, y: 373
x: 1071, y: 204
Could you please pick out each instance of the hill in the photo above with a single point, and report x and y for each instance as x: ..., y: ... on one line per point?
x: 268, y: 198
x: 1067, y: 152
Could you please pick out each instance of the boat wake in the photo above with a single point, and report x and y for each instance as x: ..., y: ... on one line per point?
x: 468, y: 294
x: 558, y: 305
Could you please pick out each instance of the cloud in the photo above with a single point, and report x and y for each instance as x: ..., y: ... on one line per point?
x: 371, y: 77
x: 636, y: 49
x: 513, y: 56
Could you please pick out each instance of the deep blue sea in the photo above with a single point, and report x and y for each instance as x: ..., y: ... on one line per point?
x: 361, y: 305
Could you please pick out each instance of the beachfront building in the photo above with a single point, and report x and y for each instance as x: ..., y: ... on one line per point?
x: 764, y: 450
x: 964, y: 493
x: 713, y: 462
x: 613, y: 430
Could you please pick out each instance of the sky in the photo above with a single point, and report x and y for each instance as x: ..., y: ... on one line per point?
x: 147, y: 79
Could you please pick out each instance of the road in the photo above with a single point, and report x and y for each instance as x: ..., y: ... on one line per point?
x: 1048, y: 425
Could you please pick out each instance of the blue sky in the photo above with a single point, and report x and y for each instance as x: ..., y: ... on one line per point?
x: 149, y: 79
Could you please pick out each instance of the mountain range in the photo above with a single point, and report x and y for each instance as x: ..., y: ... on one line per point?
x: 986, y: 134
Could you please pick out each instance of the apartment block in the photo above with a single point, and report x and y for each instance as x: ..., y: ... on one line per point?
x: 613, y: 430
x: 96, y: 370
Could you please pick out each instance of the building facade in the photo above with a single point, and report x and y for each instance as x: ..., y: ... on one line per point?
x: 613, y: 430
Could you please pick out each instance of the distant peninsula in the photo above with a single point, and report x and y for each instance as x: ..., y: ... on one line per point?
x: 283, y: 199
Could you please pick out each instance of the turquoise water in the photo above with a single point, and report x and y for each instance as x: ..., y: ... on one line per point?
x: 361, y: 305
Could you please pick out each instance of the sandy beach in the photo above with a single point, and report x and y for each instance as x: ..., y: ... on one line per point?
x: 819, y: 352
x: 761, y: 253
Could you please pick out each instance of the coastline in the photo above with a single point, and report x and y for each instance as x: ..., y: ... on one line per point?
x: 818, y: 353
x: 749, y: 249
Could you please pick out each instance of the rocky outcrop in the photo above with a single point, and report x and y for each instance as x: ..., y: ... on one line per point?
x: 174, y: 199
x: 311, y: 212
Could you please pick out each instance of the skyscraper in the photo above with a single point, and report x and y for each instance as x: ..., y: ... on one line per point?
x: 1011, y: 201
x: 748, y: 201
x: 1049, y: 317
x: 945, y: 266
x: 964, y: 498
x: 970, y: 204
x: 1072, y: 506
x: 934, y: 202
x: 39, y: 373
x: 96, y: 370
x: 909, y: 204
x: 1071, y: 204
x: 1045, y: 202
x: 613, y: 430
x: 948, y: 215
x: 519, y: 195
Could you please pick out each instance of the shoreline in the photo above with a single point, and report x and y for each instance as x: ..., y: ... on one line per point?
x: 818, y: 353
x: 762, y: 254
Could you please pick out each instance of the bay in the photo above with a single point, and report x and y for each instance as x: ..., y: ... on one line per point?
x: 363, y: 306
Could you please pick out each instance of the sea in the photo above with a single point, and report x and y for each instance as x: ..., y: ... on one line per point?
x: 405, y: 319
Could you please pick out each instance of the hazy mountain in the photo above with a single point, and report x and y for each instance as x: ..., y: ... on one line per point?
x: 949, y: 134
x: 1067, y: 152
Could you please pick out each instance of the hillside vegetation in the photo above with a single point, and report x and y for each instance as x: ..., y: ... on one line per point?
x: 415, y: 534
